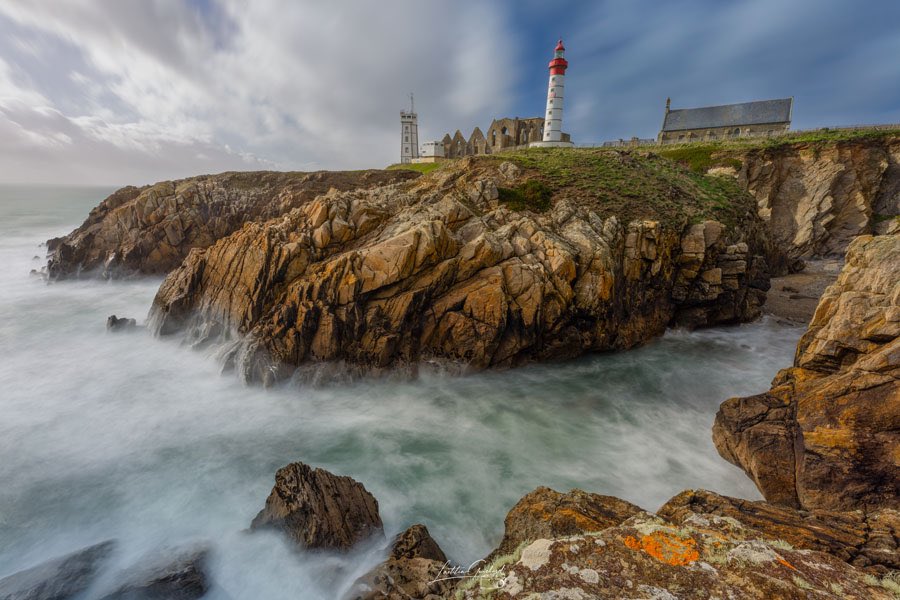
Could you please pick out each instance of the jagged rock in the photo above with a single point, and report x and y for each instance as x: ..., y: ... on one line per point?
x: 869, y: 539
x: 317, y: 509
x: 114, y: 323
x: 817, y: 197
x: 60, y: 578
x: 703, y: 557
x: 546, y: 513
x: 151, y: 229
x: 432, y: 270
x: 415, y: 568
x: 166, y: 576
x: 827, y: 435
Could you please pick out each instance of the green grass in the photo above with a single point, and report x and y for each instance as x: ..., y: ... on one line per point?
x: 624, y: 183
x: 532, y: 195
x: 423, y: 168
x: 700, y: 157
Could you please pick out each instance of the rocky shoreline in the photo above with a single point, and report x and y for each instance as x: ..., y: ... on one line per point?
x: 383, y: 271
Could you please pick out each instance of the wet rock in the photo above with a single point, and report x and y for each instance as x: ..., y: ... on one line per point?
x: 827, y: 434
x: 114, y: 323
x: 317, y: 509
x: 546, y: 513
x: 60, y: 578
x: 416, y: 568
x: 867, y: 539
x: 165, y: 577
x: 431, y: 270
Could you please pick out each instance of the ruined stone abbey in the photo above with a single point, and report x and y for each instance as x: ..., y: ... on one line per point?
x: 503, y: 134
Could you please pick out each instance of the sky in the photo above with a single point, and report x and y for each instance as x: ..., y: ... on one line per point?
x: 137, y: 91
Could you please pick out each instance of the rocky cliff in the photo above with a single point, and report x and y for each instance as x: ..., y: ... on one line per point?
x: 827, y: 435
x: 817, y: 196
x: 480, y: 264
x: 150, y: 230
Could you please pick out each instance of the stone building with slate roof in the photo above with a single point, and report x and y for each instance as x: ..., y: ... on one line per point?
x: 747, y: 119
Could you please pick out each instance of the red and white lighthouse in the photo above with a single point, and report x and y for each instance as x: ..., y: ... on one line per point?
x: 553, y: 135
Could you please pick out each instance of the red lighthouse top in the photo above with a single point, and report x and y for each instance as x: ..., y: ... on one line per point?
x: 559, y: 64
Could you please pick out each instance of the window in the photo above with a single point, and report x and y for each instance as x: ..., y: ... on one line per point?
x: 406, y: 128
x: 407, y: 139
x: 504, y: 131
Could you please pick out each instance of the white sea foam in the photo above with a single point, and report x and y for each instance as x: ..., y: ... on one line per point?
x: 129, y: 437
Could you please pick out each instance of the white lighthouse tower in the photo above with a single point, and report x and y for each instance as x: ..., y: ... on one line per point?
x: 553, y: 135
x: 409, y: 133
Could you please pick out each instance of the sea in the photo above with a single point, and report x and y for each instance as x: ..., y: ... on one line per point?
x: 142, y: 440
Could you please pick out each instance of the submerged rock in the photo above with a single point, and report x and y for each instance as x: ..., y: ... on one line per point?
x: 827, y: 435
x: 114, y: 323
x: 317, y: 509
x: 60, y: 578
x: 415, y: 568
x: 178, y: 575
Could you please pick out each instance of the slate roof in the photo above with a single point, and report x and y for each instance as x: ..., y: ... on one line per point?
x: 728, y: 115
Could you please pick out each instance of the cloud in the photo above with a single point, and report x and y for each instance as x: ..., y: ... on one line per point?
x: 299, y: 85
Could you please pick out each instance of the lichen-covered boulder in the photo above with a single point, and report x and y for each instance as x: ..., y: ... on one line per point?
x: 704, y: 557
x: 866, y: 539
x: 317, y: 509
x: 546, y: 513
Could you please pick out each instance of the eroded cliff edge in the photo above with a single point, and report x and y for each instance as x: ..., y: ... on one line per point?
x: 481, y: 264
x: 827, y: 435
x: 151, y: 229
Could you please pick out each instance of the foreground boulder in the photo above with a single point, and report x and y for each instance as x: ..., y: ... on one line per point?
x: 546, y: 513
x: 867, y: 539
x: 705, y: 556
x: 415, y: 568
x: 827, y: 435
x: 452, y: 268
x: 60, y: 578
x: 176, y: 576
x: 150, y: 230
x: 319, y: 510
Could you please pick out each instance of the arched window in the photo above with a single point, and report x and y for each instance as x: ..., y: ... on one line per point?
x: 504, y: 131
x: 494, y: 137
x: 459, y: 148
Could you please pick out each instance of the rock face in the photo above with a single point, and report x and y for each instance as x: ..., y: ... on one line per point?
x: 817, y: 197
x: 58, y: 579
x: 316, y: 509
x: 150, y: 230
x: 546, y: 513
x: 439, y: 270
x: 415, y: 568
x: 173, y: 577
x: 867, y: 539
x: 827, y: 435
x: 705, y: 556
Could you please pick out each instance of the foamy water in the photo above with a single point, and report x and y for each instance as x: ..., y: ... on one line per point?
x: 128, y: 437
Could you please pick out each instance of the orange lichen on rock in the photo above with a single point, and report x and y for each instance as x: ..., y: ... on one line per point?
x: 787, y: 564
x: 666, y: 548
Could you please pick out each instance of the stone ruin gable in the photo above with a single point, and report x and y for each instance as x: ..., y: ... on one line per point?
x: 457, y: 148
x: 503, y: 133
x: 507, y: 133
x: 477, y: 143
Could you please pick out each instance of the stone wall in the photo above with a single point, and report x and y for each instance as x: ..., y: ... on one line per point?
x: 722, y: 133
